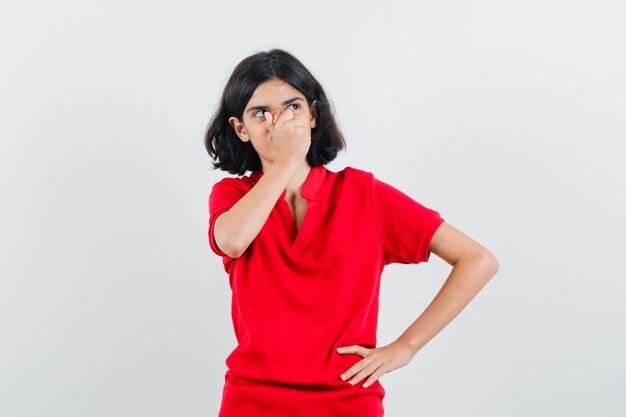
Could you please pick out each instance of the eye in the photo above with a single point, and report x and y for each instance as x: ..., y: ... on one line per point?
x: 264, y: 110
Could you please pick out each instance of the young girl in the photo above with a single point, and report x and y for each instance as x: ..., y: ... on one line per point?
x: 304, y: 248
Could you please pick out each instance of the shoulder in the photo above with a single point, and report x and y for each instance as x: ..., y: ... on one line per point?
x: 233, y: 183
x: 354, y: 174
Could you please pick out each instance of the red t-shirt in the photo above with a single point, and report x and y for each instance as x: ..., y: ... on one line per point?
x: 298, y: 295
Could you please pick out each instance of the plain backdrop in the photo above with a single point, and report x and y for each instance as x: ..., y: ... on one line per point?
x: 506, y: 117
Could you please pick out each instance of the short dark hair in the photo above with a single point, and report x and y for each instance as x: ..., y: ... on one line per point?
x: 229, y: 153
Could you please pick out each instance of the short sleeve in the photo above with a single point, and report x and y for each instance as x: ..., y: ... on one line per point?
x: 224, y: 194
x: 404, y: 226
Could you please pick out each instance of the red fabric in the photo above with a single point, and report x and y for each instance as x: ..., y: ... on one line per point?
x: 297, y: 296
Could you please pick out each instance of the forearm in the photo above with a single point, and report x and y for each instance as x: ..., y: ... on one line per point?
x: 238, y: 227
x: 467, y: 278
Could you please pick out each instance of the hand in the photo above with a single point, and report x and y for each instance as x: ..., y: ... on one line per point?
x: 289, y: 135
x: 376, y: 362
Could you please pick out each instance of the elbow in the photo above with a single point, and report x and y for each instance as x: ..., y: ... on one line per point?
x: 232, y: 251
x: 228, y: 245
x: 490, y: 263
x: 484, y: 261
x: 237, y: 250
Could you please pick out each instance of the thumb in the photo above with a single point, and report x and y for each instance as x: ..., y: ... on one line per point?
x: 354, y: 349
x: 269, y: 123
x: 345, y: 349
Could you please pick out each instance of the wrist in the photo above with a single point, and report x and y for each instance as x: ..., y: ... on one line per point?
x: 411, y: 345
x: 291, y: 165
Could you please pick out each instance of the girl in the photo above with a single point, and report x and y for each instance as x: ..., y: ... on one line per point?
x: 304, y: 248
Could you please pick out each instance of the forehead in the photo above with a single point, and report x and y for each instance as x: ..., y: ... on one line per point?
x: 272, y: 93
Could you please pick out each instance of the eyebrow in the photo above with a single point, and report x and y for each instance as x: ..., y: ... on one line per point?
x: 263, y: 107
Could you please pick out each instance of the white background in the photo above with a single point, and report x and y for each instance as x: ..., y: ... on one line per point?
x: 506, y: 117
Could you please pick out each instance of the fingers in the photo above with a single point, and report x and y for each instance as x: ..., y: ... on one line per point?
x: 362, y: 370
x: 374, y: 377
x: 284, y: 116
x: 375, y: 363
x: 270, y: 123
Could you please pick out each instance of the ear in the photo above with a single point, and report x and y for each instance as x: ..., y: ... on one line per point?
x: 239, y: 128
x: 314, y: 114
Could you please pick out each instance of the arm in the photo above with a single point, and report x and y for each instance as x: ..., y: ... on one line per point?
x: 236, y: 228
x: 472, y: 267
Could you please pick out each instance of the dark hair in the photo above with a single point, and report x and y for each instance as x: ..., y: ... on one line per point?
x: 230, y: 153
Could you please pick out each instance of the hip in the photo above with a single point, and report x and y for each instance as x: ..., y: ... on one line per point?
x: 249, y: 398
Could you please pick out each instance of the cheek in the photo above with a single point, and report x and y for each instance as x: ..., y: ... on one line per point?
x: 260, y: 136
x: 256, y: 129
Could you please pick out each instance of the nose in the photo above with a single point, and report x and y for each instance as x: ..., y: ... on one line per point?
x: 275, y: 114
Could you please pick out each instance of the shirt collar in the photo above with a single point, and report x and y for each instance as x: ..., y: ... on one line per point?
x: 312, y: 182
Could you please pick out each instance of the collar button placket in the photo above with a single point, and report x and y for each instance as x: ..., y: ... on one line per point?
x: 299, y: 239
x: 304, y: 233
